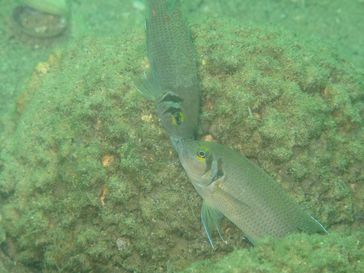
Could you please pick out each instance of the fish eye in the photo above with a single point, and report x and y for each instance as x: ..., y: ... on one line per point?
x: 202, y: 154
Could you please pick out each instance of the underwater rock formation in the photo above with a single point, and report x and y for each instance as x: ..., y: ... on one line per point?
x: 90, y: 181
x: 41, y: 20
x: 8, y: 266
x: 294, y: 108
x: 297, y: 253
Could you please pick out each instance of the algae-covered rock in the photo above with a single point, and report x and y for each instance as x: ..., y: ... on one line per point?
x: 9, y: 266
x: 296, y: 253
x: 90, y: 182
x: 294, y: 108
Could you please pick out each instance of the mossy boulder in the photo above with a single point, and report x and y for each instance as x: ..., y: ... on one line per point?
x: 295, y: 253
x: 90, y: 183
x: 294, y: 108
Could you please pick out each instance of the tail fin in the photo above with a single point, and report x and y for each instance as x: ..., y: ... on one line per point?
x: 169, y: 45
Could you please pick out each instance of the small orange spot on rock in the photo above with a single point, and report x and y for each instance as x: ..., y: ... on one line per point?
x: 325, y: 92
x: 208, y: 138
x: 102, y: 195
x: 145, y: 64
x: 107, y: 160
x: 42, y: 67
x: 147, y: 118
x: 209, y: 104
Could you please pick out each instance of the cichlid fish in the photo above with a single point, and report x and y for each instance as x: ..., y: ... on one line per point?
x: 172, y: 80
x: 233, y: 186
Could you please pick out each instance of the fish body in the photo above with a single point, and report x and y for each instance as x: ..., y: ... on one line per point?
x: 172, y: 80
x: 235, y: 187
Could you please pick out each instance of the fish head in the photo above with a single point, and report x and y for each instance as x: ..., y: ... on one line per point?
x: 196, y: 158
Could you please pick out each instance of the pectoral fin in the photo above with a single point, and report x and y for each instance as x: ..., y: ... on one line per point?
x: 147, y: 88
x: 315, y: 226
x: 211, y: 219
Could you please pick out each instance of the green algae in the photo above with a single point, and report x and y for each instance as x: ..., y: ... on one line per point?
x: 8, y: 266
x: 295, y: 109
x: 296, y: 253
x: 335, y: 22
x: 89, y: 182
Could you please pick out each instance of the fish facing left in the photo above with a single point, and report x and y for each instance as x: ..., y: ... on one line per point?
x: 235, y: 187
x: 172, y: 81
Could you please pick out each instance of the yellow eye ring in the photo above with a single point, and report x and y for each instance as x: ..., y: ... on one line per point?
x: 202, y: 154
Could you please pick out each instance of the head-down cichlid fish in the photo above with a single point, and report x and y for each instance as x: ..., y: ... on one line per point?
x: 233, y: 186
x: 172, y: 80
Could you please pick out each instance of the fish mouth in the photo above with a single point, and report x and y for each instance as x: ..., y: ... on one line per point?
x: 179, y: 145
